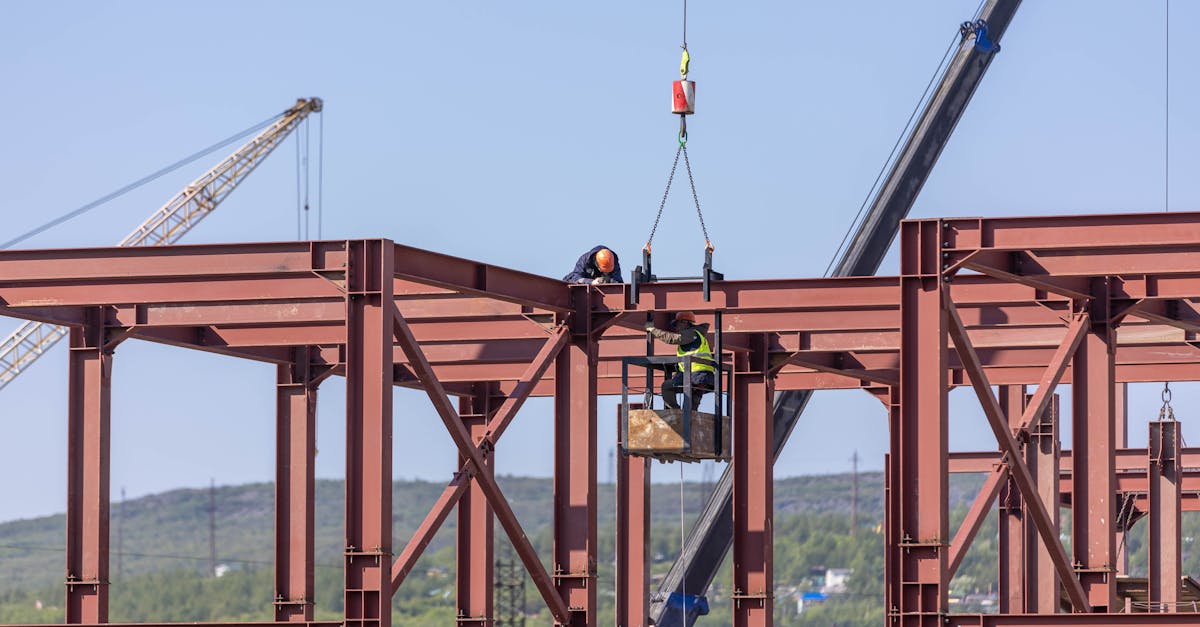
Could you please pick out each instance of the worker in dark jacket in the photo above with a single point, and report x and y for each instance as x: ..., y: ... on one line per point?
x: 688, y: 338
x: 598, y: 265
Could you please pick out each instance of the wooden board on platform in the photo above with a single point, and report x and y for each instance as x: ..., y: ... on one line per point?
x: 659, y: 433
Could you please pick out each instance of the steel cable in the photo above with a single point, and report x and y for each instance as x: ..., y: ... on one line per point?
x: 140, y: 182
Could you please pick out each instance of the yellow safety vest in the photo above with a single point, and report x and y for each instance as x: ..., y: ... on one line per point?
x: 703, y: 352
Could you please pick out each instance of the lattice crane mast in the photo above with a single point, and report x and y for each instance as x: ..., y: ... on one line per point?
x: 178, y: 216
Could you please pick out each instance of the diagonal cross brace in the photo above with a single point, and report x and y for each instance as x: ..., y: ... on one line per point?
x: 1016, y: 465
x: 491, y: 490
x: 458, y: 486
x: 1037, y: 406
x: 433, y: 521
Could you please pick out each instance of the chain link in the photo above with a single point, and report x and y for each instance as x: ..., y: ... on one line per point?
x: 1166, y: 412
x: 688, y: 164
x: 663, y: 204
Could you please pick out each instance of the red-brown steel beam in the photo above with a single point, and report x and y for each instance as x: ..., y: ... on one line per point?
x: 461, y: 481
x: 295, y: 451
x: 1042, y: 589
x: 88, y: 463
x: 575, y: 541
x: 916, y: 590
x: 368, y: 548
x: 1128, y: 461
x: 508, y: 520
x: 1030, y: 412
x: 1075, y: 232
x: 633, y: 536
x: 1011, y: 528
x: 753, y: 490
x: 1071, y: 620
x: 1164, y: 557
x: 472, y: 277
x: 1093, y: 463
x: 421, y: 538
x: 1016, y: 463
x: 474, y: 530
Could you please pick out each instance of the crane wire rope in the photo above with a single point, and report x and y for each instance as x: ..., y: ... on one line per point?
x: 873, y: 191
x: 1167, y: 107
x: 682, y: 149
x: 140, y: 182
x: 320, y: 172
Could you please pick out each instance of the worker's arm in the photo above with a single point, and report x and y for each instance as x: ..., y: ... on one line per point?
x: 688, y: 336
x: 580, y: 274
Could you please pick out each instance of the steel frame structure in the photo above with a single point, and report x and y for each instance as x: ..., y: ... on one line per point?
x: 1088, y: 300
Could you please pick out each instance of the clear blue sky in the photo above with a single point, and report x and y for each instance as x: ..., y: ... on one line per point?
x: 523, y: 133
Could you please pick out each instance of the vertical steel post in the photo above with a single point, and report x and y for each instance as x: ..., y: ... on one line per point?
x: 1042, y: 593
x: 88, y: 449
x: 475, y: 529
x: 919, y: 473
x: 1164, y: 475
x: 633, y: 536
x: 295, y: 449
x: 1093, y: 474
x: 369, y: 335
x: 753, y: 489
x: 1011, y: 553
x: 1121, y: 416
x: 575, y: 469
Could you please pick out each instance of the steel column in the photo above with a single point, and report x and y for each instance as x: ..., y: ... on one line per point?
x: 1093, y: 475
x: 368, y: 550
x: 575, y: 474
x: 1121, y: 416
x: 1165, y: 558
x: 1042, y: 590
x: 475, y: 529
x: 1011, y: 552
x: 88, y: 449
x: 753, y: 489
x: 919, y: 486
x: 295, y: 449
x: 633, y: 536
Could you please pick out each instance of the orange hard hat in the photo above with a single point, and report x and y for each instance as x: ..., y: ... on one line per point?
x: 685, y: 315
x: 605, y: 260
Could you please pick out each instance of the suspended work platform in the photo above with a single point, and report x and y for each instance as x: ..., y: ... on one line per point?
x: 1090, y: 301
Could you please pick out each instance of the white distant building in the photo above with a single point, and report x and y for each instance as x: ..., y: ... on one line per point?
x: 835, y: 580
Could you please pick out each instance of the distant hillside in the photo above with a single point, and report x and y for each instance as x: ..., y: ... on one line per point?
x: 169, y: 531
x: 161, y: 572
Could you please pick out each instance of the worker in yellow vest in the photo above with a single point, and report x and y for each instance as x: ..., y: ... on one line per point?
x: 688, y: 338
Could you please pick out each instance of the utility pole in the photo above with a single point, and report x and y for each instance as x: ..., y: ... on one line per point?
x: 212, y: 528
x: 854, y: 495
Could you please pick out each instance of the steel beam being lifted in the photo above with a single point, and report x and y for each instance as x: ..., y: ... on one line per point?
x: 711, y: 537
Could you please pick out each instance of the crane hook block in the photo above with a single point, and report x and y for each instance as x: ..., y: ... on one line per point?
x: 683, y: 97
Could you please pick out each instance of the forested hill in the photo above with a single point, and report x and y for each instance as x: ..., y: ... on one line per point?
x: 169, y: 531
x: 161, y: 571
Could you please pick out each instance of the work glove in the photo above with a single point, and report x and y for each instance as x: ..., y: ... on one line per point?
x: 599, y: 280
x: 650, y: 327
